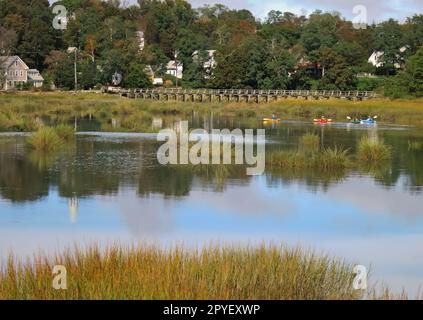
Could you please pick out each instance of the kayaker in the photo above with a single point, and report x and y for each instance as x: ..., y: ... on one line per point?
x: 273, y: 116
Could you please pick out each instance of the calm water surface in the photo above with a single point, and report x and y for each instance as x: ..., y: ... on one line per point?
x: 109, y: 187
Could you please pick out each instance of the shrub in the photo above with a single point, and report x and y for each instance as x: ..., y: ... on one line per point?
x: 369, y: 84
x: 65, y: 133
x: 309, y: 141
x: 45, y: 139
x: 333, y: 158
x: 373, y: 152
x: 329, y: 159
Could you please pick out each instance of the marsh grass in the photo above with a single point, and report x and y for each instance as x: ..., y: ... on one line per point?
x: 309, y: 142
x: 288, y: 159
x: 65, y: 133
x: 18, y: 111
x: 46, y: 140
x: 383, y: 292
x: 309, y: 156
x: 333, y: 158
x: 213, y: 272
x: 373, y: 152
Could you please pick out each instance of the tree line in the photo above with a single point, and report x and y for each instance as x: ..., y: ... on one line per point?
x: 282, y: 51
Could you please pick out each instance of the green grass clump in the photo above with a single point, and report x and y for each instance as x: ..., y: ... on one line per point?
x: 309, y: 141
x: 49, y: 139
x: 373, y: 152
x: 333, y: 158
x: 65, y: 133
x: 213, y: 272
x: 45, y: 139
x: 329, y: 159
x: 287, y: 159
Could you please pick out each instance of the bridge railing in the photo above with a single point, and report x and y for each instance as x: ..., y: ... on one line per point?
x: 250, y: 92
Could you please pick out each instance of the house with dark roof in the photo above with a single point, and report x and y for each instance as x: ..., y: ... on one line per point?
x: 16, y: 72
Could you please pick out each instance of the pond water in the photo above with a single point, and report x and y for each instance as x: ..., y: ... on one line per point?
x: 109, y: 187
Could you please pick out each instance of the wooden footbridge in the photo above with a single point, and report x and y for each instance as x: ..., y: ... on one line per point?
x: 237, y: 95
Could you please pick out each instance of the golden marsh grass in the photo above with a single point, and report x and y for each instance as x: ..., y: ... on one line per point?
x: 19, y: 111
x: 150, y: 272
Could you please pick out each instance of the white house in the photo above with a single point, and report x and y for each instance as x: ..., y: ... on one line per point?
x: 141, y: 40
x: 210, y: 64
x: 157, y: 81
x: 175, y: 68
x: 35, y: 78
x: 149, y: 71
x: 16, y: 72
x: 375, y: 58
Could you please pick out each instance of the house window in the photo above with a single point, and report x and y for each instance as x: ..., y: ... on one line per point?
x: 16, y: 73
x: 21, y: 73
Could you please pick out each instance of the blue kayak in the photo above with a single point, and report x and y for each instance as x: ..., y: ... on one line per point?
x: 368, y: 121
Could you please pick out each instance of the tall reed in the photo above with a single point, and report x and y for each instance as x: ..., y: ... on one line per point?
x: 45, y: 139
x: 335, y: 158
x: 65, y: 133
x: 309, y: 141
x: 373, y: 152
x: 213, y: 272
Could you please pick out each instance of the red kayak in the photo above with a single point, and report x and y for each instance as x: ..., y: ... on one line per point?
x: 322, y: 121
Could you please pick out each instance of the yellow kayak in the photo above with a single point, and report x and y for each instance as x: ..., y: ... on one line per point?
x: 271, y: 120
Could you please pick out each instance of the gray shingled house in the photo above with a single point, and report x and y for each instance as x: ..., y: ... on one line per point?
x: 15, y: 72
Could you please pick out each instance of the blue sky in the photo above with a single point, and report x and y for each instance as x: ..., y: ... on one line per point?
x: 376, y: 10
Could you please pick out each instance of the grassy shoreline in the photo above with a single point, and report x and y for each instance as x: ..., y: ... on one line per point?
x: 23, y: 111
x: 214, y: 272
x: 148, y: 272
